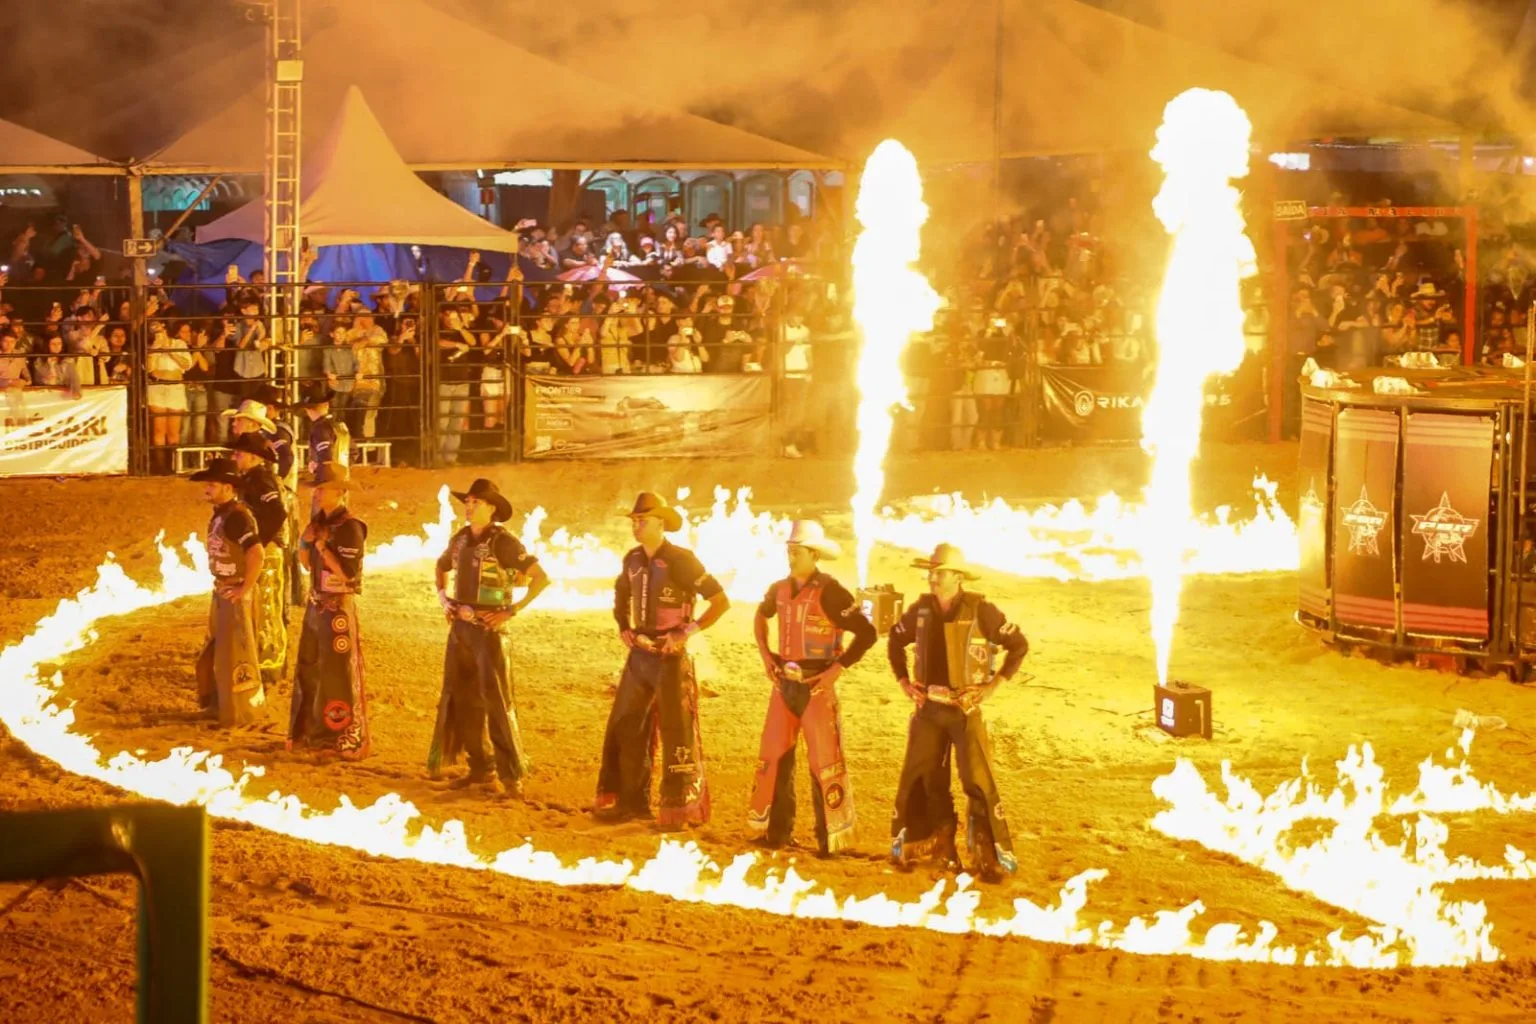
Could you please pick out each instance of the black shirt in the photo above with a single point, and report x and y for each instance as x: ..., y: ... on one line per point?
x: 263, y: 495
x: 990, y: 621
x: 323, y: 445
x: 654, y: 595
x: 836, y: 604
x: 345, y: 537
x: 282, y: 442
x: 484, y: 567
x: 231, y: 533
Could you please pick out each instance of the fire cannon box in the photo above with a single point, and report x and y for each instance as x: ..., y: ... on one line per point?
x: 882, y: 606
x: 1183, y: 709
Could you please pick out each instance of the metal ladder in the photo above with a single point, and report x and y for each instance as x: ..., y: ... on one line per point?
x: 285, y: 80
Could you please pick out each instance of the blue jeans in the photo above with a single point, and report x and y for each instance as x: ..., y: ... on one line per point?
x: 218, y: 401
x: 452, y: 419
x: 194, y: 428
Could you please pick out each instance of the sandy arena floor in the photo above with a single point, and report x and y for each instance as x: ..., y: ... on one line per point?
x: 304, y: 933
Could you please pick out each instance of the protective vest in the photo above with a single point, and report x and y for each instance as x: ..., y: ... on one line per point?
x: 326, y: 581
x: 805, y: 632
x: 482, y: 574
x: 968, y: 654
x: 226, y: 559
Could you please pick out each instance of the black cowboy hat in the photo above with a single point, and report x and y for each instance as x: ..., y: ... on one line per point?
x: 270, y: 394
x: 333, y: 473
x: 315, y: 393
x: 253, y: 444
x: 218, y: 471
x: 484, y: 490
x: 648, y: 504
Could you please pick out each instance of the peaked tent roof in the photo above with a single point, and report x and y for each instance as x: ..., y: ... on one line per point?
x: 441, y: 115
x: 357, y: 190
x: 24, y: 151
x: 1079, y: 79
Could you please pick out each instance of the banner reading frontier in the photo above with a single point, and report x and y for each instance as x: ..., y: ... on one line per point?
x: 647, y: 414
x: 48, y: 433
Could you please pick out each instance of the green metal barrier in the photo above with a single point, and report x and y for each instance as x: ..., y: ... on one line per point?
x: 166, y: 848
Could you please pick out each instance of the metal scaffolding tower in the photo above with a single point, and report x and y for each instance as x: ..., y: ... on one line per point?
x: 285, y: 79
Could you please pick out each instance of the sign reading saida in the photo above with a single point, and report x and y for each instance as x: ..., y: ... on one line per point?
x: 645, y: 415
x: 48, y: 433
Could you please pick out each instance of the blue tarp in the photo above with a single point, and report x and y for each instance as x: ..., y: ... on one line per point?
x: 207, y: 264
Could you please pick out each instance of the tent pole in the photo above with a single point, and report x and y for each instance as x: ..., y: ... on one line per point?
x: 997, y: 112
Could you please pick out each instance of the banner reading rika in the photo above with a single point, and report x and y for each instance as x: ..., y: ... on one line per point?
x: 647, y: 414
x: 1104, y: 403
x: 48, y: 433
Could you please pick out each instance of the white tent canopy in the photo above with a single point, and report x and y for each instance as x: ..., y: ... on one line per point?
x: 356, y: 190
x: 24, y: 151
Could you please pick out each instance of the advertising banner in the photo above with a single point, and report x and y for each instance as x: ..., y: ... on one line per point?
x: 664, y: 415
x: 1312, y: 511
x: 48, y: 433
x: 1447, y: 460
x: 1365, y: 475
x: 1104, y: 403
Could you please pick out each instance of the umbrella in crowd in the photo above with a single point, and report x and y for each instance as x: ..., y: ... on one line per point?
x: 601, y: 272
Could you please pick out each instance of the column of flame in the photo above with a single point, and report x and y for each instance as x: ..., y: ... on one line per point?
x: 1202, y: 146
x: 891, y: 301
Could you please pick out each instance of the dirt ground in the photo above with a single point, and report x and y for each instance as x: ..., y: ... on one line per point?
x: 305, y: 933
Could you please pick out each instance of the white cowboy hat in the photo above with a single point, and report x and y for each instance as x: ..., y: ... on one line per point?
x: 808, y: 533
x: 947, y: 557
x: 253, y: 411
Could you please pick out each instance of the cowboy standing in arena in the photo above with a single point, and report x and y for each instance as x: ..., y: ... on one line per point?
x: 263, y: 496
x: 813, y: 610
x: 228, y: 679
x: 658, y: 696
x: 958, y: 634
x: 328, y: 438
x: 260, y: 415
x: 486, y: 563
x: 330, y: 703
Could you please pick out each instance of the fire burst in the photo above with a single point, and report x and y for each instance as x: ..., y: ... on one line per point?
x: 1202, y: 147
x: 891, y: 302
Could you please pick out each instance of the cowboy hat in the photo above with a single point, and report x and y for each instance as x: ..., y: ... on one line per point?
x: 255, y: 412
x: 333, y: 474
x: 218, y: 471
x: 253, y: 444
x: 315, y: 393
x: 269, y: 395
x: 484, y: 490
x: 1428, y: 290
x: 946, y: 557
x: 648, y: 504
x: 808, y: 533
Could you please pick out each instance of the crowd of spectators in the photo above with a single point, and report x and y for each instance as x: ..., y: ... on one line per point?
x: 575, y: 302
x: 1366, y: 291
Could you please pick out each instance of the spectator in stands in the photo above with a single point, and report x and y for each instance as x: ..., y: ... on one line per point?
x: 14, y: 373
x: 115, y: 365
x: 339, y: 360
x: 194, y: 338
x: 684, y: 353
x: 250, y: 364
x: 493, y: 376
x: 795, y: 245
x: 168, y: 361
x: 87, y: 340
x: 726, y: 338
x: 670, y: 254
x: 573, y: 348
x: 55, y: 367
x: 718, y: 251
x: 991, y: 384
x: 578, y: 255
x: 456, y: 370
x: 618, y: 327
x: 367, y: 340
x: 402, y: 410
